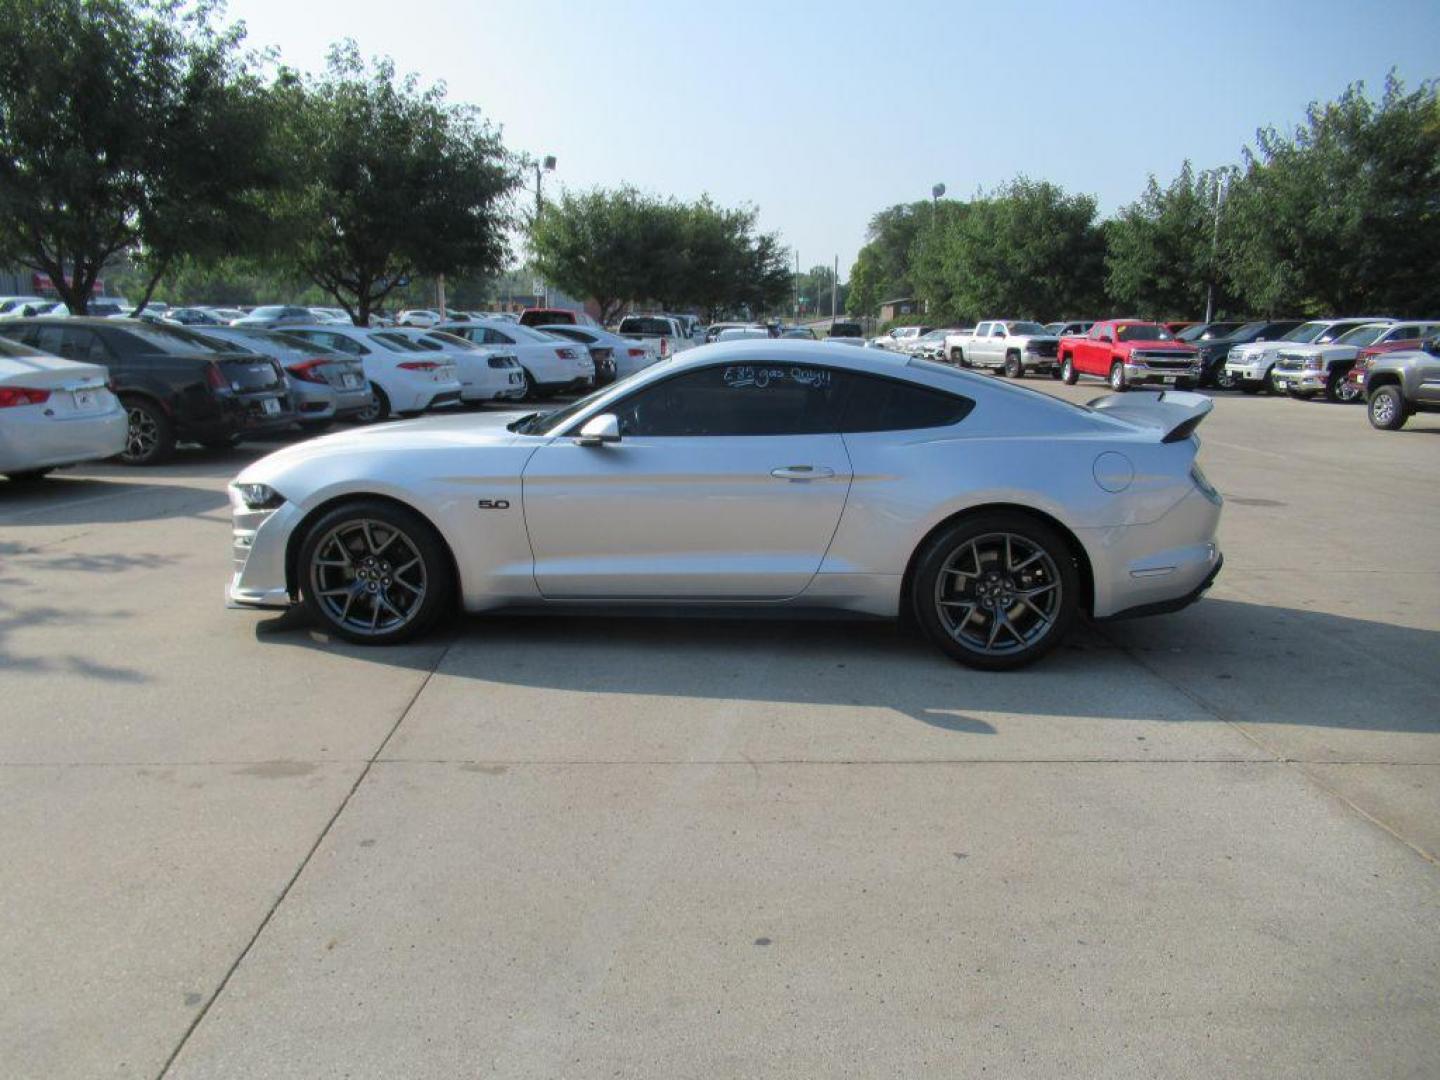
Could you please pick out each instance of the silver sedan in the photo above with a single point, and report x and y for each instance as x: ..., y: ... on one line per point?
x: 750, y: 474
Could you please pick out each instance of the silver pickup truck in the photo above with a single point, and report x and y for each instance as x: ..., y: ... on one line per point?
x: 1402, y: 383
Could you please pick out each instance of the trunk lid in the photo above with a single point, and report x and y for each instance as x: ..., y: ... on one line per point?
x: 1172, y: 414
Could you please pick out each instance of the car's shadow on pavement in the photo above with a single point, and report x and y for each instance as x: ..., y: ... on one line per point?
x: 1222, y: 659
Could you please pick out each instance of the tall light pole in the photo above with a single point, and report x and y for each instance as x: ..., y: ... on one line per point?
x: 1220, y: 187
x: 795, y: 313
x: 548, y: 164
x: 935, y: 194
x: 834, y: 291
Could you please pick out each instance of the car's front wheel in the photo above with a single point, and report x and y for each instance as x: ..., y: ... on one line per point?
x: 1117, y: 377
x: 957, y: 357
x: 1014, y: 369
x: 996, y: 591
x: 1225, y: 380
x: 375, y: 573
x: 1068, y: 374
x: 1387, y: 409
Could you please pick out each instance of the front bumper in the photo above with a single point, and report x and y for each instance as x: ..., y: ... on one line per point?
x: 260, y: 539
x: 1300, y: 381
x: 1137, y: 374
x: 1252, y: 371
x: 1036, y: 362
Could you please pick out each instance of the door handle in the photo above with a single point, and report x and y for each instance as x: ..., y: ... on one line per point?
x: 802, y: 472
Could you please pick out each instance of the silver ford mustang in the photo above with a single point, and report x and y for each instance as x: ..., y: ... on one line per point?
x: 749, y: 474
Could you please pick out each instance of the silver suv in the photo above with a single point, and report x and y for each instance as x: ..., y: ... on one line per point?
x: 1402, y: 383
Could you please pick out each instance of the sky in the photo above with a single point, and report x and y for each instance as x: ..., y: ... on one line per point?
x: 821, y: 114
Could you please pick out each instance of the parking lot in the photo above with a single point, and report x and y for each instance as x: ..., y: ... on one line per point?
x: 1200, y: 844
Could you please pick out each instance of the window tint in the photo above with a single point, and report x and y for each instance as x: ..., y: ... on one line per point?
x: 779, y: 399
x: 495, y: 337
x: 85, y: 345
x: 888, y: 405
x: 168, y: 339
x: 738, y: 399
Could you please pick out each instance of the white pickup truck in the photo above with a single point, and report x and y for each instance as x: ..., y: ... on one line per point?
x: 1011, y: 346
x: 662, y: 330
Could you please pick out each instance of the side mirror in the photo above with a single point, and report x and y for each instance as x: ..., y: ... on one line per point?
x: 599, y: 430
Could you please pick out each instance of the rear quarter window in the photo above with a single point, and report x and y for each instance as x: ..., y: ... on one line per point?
x: 888, y: 405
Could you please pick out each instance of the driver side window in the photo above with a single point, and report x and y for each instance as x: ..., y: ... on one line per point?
x: 737, y: 399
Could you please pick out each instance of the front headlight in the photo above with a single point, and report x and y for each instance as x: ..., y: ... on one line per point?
x: 259, y: 496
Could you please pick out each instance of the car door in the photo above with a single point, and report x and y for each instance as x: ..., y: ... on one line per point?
x: 1092, y: 356
x: 726, y: 484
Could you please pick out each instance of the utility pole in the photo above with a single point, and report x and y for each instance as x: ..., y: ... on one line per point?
x: 834, y: 292
x: 440, y: 294
x: 1220, y: 186
x: 795, y: 311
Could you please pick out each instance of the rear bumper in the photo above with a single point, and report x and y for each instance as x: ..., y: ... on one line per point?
x: 41, y: 442
x: 1143, y: 568
x: 1166, y: 607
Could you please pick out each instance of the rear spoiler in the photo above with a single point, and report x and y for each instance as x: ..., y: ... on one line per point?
x: 1176, y: 413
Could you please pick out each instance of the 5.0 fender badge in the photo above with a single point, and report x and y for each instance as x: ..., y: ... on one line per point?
x: 494, y: 504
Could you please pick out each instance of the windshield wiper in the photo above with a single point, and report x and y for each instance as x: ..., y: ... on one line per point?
x: 524, y: 422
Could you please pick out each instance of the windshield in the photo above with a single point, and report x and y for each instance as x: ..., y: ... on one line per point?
x: 547, y: 423
x: 172, y: 339
x: 267, y: 312
x: 647, y: 326
x: 395, y: 343
x: 453, y: 341
x: 1143, y: 332
x: 1306, y: 332
x: 1026, y: 328
x: 1362, y: 335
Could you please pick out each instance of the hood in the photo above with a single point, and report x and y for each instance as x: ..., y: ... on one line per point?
x: 429, y: 433
x: 1177, y: 346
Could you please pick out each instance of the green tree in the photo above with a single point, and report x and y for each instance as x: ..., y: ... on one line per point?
x: 394, y: 182
x: 1340, y: 214
x: 121, y: 129
x: 934, y: 270
x: 1027, y: 250
x: 1160, y: 258
x: 866, y: 284
x: 596, y: 244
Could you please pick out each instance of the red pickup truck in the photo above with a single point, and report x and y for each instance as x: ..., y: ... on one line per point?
x: 1127, y: 352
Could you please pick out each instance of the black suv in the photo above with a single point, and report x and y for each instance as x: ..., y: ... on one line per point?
x: 175, y: 384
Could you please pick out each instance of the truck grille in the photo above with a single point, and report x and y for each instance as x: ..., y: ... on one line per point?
x: 1163, y: 359
x: 1290, y: 362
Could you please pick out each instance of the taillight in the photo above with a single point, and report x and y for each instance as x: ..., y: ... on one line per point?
x: 419, y: 365
x: 11, y: 396
x: 664, y: 347
x: 308, y: 371
x: 636, y: 352
x: 216, y: 377
x: 567, y: 354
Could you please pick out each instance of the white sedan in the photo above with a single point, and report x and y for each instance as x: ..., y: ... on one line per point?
x: 54, y: 412
x: 750, y: 474
x: 629, y: 356
x: 487, y: 372
x: 403, y: 377
x: 550, y: 366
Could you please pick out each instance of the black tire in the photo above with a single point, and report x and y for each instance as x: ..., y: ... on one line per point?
x: 1225, y: 380
x: 378, y: 409
x: 1117, y: 377
x: 1014, y: 368
x: 957, y: 357
x: 1334, y: 387
x: 990, y: 595
x: 532, y: 389
x: 1387, y: 409
x: 151, y: 437
x: 343, y: 598
x: 1068, y: 374
x: 315, y: 427
x: 29, y: 476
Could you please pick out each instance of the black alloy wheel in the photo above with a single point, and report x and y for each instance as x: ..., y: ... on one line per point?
x: 375, y: 573
x: 996, y: 591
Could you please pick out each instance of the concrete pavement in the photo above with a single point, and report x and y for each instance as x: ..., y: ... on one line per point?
x: 1203, y: 844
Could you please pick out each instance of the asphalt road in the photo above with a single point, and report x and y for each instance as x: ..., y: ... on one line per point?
x: 1199, y: 845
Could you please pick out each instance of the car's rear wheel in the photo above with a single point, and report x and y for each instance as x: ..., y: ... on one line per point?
x: 531, y: 389
x: 1068, y: 375
x: 1387, y: 409
x: 151, y: 437
x: 377, y: 410
x: 375, y: 573
x: 1117, y: 377
x: 1014, y: 369
x: 957, y: 357
x: 996, y: 591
